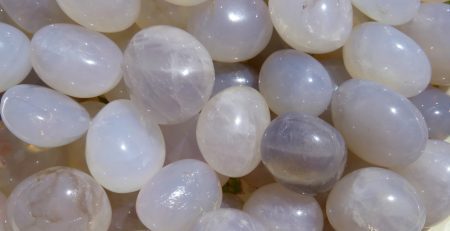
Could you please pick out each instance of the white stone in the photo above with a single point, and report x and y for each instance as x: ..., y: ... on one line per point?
x: 161, y: 12
x: 186, y: 2
x: 390, y: 12
x: 228, y: 219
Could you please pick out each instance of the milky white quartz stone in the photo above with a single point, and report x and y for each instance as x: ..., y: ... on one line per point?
x: 122, y: 151
x: 280, y: 209
x: 58, y: 199
x: 186, y: 2
x: 380, y: 126
x: 232, y: 31
x: 430, y: 175
x: 230, y: 128
x: 169, y: 74
x: 390, y: 12
x: 375, y: 199
x: 431, y: 30
x: 178, y: 195
x: 312, y: 26
x: 43, y: 117
x: 76, y: 61
x: 14, y: 56
x: 102, y: 15
x: 228, y: 219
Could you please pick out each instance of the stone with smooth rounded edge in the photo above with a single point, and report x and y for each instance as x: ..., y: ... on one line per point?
x: 161, y: 12
x: 389, y: 12
x: 226, y: 219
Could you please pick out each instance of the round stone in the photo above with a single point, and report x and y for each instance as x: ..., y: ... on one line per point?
x: 389, y: 12
x: 59, y: 199
x: 123, y: 152
x: 76, y: 61
x: 375, y: 199
x: 233, y: 74
x: 37, y: 115
x: 379, y: 125
x: 186, y: 2
x: 169, y: 74
x: 230, y: 128
x: 228, y: 219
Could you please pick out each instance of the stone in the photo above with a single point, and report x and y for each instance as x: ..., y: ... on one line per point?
x: 228, y: 219
x: 161, y: 12
x: 389, y: 12
x: 186, y: 2
x: 233, y: 74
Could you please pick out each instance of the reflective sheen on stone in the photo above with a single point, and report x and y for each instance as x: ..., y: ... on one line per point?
x: 292, y: 81
x: 319, y: 26
x: 178, y: 195
x: 228, y: 219
x: 383, y: 54
x: 59, y: 199
x: 380, y: 126
x: 390, y: 12
x: 230, y: 128
x: 280, y: 209
x: 233, y: 74
x: 76, y: 61
x: 43, y: 117
x: 232, y: 31
x: 375, y: 199
x: 169, y: 74
x: 303, y: 152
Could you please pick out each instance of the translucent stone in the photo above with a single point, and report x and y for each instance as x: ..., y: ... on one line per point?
x: 435, y: 107
x: 280, y: 209
x: 375, y: 199
x: 431, y: 30
x: 161, y: 12
x: 32, y: 15
x: 14, y: 56
x: 430, y: 176
x: 76, y: 61
x: 380, y: 126
x: 118, y: 92
x: 102, y: 15
x: 36, y: 115
x: 383, y: 54
x: 292, y: 81
x: 303, y: 152
x: 232, y: 31
x: 186, y: 2
x: 231, y: 201
x: 228, y: 219
x: 230, y: 128
x: 389, y: 12
x: 169, y: 74
x: 58, y: 199
x: 315, y: 27
x: 122, y: 151
x: 178, y: 195
x: 233, y: 74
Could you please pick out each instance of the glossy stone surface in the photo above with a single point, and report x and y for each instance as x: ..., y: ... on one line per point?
x: 303, y: 152
x: 232, y: 31
x: 430, y: 175
x: 312, y: 26
x: 398, y: 131
x: 14, y: 56
x: 292, y: 81
x: 169, y: 74
x: 375, y: 199
x: 389, y: 12
x: 36, y: 115
x: 123, y: 152
x: 59, y: 199
x: 76, y: 61
x: 230, y: 128
x: 233, y: 74
x: 228, y: 219
x: 383, y: 54
x: 186, y: 2
x: 184, y: 190
x: 161, y: 12
x: 280, y: 209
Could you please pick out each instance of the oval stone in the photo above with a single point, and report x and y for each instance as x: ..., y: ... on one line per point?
x: 226, y: 219
x: 389, y: 12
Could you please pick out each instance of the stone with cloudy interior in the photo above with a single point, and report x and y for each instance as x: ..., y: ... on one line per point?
x: 389, y: 12
x: 226, y: 219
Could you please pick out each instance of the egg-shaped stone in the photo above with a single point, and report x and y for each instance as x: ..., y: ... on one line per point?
x: 389, y: 12
x: 43, y: 117
x: 233, y: 74
x: 226, y: 219
x: 230, y: 129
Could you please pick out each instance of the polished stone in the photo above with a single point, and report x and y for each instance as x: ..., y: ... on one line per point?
x: 228, y: 219
x: 389, y: 12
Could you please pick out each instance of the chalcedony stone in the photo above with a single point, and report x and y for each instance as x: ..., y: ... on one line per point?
x: 303, y: 152
x: 76, y: 61
x: 226, y: 219
x: 102, y: 15
x: 161, y: 12
x: 43, y: 117
x: 383, y: 54
x: 280, y: 209
x: 14, y: 56
x: 230, y: 128
x: 389, y: 12
x: 232, y: 31
x: 58, y: 199
x: 430, y: 175
x: 233, y: 74
x: 379, y: 125
x: 186, y: 2
x: 375, y: 199
x: 169, y: 74
x: 318, y: 26
x: 178, y: 195
x: 292, y: 81
x: 122, y: 151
